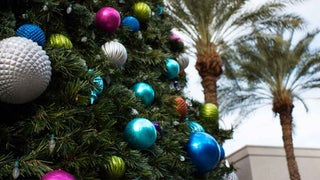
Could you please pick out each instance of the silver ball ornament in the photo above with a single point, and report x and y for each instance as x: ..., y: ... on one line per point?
x: 115, y: 52
x: 183, y: 61
x: 25, y: 70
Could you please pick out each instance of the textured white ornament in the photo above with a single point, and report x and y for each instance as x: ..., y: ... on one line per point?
x: 183, y: 61
x: 25, y: 70
x: 115, y: 52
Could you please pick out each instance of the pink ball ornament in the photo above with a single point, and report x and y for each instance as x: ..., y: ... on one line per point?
x: 58, y: 175
x: 176, y: 37
x: 108, y: 19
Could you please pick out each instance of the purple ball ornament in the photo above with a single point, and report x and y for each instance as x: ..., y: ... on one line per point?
x: 108, y: 19
x: 157, y: 126
x: 57, y: 175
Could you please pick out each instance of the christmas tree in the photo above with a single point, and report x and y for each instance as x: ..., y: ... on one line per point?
x: 94, y: 90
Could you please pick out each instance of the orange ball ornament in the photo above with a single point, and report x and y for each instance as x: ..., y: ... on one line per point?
x: 181, y: 106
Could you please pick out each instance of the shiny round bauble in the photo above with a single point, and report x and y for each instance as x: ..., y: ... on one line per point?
x: 222, y: 152
x: 172, y: 68
x: 209, y: 111
x: 145, y: 92
x: 142, y: 11
x: 115, y: 167
x: 204, y: 151
x: 98, y: 89
x: 140, y: 133
x: 25, y: 70
x: 60, y: 40
x: 58, y: 175
x: 108, y: 19
x: 183, y: 61
x: 131, y: 23
x: 33, y: 32
x: 181, y: 106
x: 175, y: 37
x: 195, y: 127
x: 115, y: 52
x: 157, y: 126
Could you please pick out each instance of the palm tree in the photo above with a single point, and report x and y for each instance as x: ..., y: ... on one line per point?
x: 213, y: 24
x: 273, y: 68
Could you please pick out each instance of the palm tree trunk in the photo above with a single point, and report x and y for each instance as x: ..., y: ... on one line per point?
x: 209, y: 66
x: 286, y: 124
x: 209, y: 84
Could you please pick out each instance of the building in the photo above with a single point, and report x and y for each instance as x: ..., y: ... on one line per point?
x: 269, y: 163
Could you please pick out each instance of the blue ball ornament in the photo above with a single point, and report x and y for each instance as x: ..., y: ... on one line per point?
x: 140, y: 133
x: 131, y: 23
x: 222, y: 153
x: 195, y: 127
x: 172, y: 68
x: 32, y: 32
x: 204, y: 151
x: 145, y: 92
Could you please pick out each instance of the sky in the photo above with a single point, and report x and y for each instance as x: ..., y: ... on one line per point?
x: 262, y: 127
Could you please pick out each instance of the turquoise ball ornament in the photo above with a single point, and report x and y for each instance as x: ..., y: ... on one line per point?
x: 209, y: 111
x: 97, y: 90
x: 140, y: 133
x: 131, y: 23
x: 172, y: 68
x: 204, y: 151
x: 33, y: 32
x: 195, y: 127
x: 145, y: 92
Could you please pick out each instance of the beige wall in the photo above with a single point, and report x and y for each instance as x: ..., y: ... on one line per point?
x: 269, y: 163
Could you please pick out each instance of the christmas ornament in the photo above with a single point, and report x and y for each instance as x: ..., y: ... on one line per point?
x: 96, y: 90
x: 140, y: 133
x: 176, y: 43
x: 52, y: 143
x: 183, y: 61
x: 57, y: 175
x: 115, y: 167
x: 194, y: 126
x: 203, y: 150
x: 209, y: 111
x: 145, y: 92
x: 231, y: 176
x: 172, y: 68
x: 108, y: 19
x: 25, y: 70
x: 33, y: 32
x: 142, y: 11
x: 175, y: 37
x: 159, y: 9
x: 157, y: 126
x: 181, y: 106
x: 131, y: 23
x: 222, y: 152
x: 16, y: 170
x: 60, y: 40
x: 115, y: 52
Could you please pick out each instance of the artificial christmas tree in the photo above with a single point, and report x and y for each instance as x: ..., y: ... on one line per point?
x: 84, y: 122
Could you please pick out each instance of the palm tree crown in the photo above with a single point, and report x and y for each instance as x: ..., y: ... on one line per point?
x: 272, y: 68
x: 212, y: 25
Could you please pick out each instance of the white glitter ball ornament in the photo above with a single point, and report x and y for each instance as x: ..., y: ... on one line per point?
x: 25, y: 70
x: 115, y: 52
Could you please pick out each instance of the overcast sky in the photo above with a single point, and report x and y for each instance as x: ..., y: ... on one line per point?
x: 262, y: 128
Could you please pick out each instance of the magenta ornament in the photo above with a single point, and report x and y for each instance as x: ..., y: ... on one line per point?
x: 108, y: 19
x: 58, y: 175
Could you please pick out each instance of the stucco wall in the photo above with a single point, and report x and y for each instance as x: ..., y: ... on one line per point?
x: 269, y: 163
